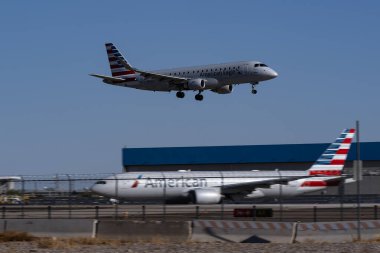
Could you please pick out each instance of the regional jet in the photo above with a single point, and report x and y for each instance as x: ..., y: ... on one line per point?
x: 219, y: 78
x: 210, y: 187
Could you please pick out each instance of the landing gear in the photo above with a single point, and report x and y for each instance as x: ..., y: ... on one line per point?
x: 199, y: 97
x: 180, y: 94
x: 254, y: 91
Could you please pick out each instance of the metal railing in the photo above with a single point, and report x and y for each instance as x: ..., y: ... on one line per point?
x: 289, y: 213
x: 69, y: 197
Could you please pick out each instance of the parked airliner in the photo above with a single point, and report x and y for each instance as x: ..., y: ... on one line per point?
x: 218, y: 78
x: 209, y: 187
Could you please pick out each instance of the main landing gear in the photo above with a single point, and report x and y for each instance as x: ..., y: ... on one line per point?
x: 199, y: 97
x: 180, y: 94
x: 254, y: 91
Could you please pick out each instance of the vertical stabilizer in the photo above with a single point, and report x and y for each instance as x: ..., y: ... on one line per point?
x: 117, y: 69
x: 331, y: 162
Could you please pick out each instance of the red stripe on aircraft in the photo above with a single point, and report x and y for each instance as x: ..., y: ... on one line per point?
x: 314, y: 184
x: 325, y: 172
x: 337, y: 162
x: 347, y: 140
x: 342, y: 151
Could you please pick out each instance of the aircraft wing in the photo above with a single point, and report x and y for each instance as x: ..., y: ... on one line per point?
x: 251, y: 186
x: 151, y: 75
x: 108, y: 78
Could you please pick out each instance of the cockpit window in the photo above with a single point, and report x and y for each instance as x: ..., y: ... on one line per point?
x: 101, y: 182
x: 260, y: 65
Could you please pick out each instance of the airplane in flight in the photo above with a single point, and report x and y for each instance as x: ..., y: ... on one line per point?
x: 210, y: 187
x: 218, y: 78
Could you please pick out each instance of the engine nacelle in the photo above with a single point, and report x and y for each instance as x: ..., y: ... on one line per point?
x: 205, y: 196
x: 196, y: 84
x: 226, y: 89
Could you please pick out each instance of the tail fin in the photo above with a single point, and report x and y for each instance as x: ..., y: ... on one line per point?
x: 117, y: 69
x: 331, y: 162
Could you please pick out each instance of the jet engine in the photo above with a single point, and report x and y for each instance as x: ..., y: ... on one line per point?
x: 226, y: 89
x: 205, y: 196
x: 196, y: 84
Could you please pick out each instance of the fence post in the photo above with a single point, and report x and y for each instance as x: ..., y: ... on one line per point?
x: 375, y: 212
x: 96, y: 212
x: 294, y: 232
x: 49, y: 212
x: 143, y: 213
x: 70, y: 190
x: 116, y: 205
x: 315, y: 213
x: 22, y: 198
x: 253, y: 212
x: 3, y: 212
x: 197, y: 212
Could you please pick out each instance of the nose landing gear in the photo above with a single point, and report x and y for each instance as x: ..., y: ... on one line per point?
x: 254, y: 91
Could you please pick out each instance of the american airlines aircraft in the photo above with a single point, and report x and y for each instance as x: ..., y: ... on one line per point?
x: 218, y: 78
x: 210, y: 187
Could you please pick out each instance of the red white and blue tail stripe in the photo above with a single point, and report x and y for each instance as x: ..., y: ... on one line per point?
x: 117, y: 69
x: 331, y: 162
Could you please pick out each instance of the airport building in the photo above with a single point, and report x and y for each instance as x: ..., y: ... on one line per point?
x: 252, y: 157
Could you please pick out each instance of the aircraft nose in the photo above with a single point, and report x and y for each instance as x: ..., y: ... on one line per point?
x: 272, y: 74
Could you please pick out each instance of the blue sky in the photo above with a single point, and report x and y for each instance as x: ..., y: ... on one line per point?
x: 57, y: 119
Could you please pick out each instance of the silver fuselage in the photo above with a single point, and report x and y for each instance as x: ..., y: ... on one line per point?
x: 216, y: 75
x: 174, y: 185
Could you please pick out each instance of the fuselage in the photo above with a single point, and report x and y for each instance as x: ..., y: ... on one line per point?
x: 176, y: 185
x: 216, y: 76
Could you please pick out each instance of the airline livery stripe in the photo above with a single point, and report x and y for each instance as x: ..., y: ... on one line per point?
x: 340, y: 157
x: 116, y: 66
x: 314, y: 184
x: 342, y: 151
x: 325, y: 172
x: 337, y: 162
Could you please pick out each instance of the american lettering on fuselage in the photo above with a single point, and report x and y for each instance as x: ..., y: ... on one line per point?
x: 218, y: 78
x: 175, y: 182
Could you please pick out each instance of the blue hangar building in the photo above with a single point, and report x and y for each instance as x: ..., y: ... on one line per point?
x: 248, y: 157
x: 253, y: 157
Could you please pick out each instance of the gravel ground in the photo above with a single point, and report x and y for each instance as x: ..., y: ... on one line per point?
x: 16, y: 247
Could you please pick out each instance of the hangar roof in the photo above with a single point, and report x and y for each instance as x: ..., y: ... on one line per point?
x: 285, y: 153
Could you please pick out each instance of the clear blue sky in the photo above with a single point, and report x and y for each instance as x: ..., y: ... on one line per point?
x: 57, y: 119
